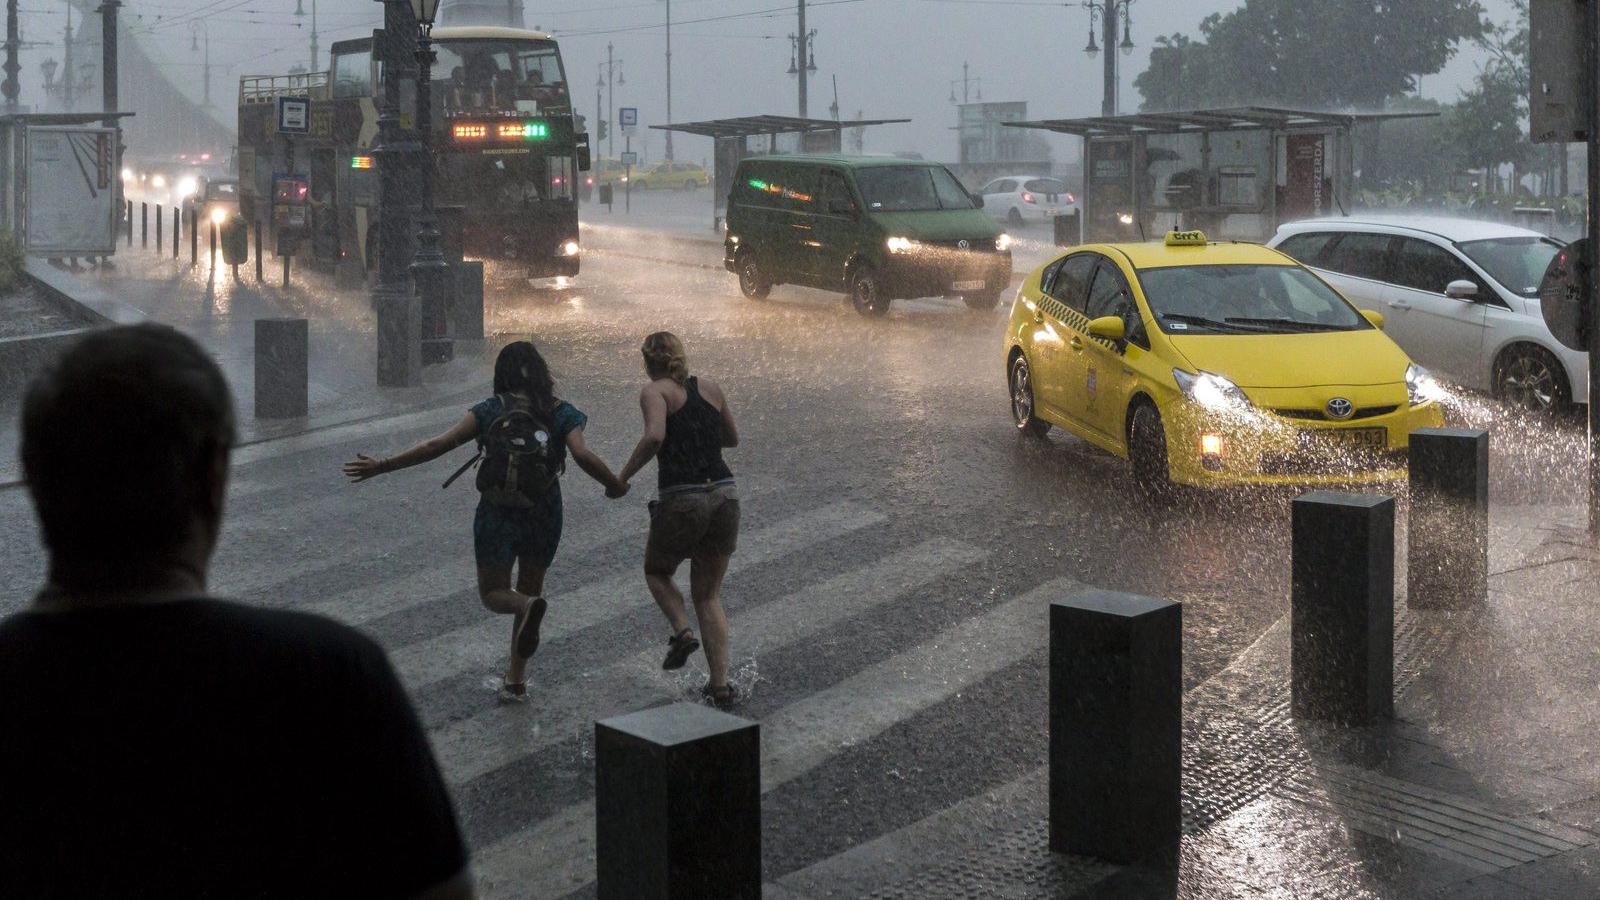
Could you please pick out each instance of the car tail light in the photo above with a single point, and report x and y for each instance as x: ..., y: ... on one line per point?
x: 1070, y: 198
x: 1027, y: 197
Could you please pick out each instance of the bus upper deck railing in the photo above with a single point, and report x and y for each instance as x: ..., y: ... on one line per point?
x: 268, y: 88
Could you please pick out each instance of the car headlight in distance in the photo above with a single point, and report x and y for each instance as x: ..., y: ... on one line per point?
x: 1421, y: 386
x: 1003, y: 242
x: 218, y: 215
x: 900, y: 245
x: 570, y: 248
x: 1210, y: 390
x: 187, y: 187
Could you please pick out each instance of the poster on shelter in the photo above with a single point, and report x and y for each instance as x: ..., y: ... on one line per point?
x: 1305, y: 188
x: 71, y: 191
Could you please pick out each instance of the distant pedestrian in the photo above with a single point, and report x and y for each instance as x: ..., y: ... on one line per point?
x: 524, y: 434
x: 687, y: 423
x: 160, y: 743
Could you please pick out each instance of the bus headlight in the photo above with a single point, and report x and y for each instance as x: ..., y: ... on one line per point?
x: 570, y: 248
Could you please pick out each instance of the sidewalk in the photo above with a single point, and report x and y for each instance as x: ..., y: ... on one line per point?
x: 1486, y: 784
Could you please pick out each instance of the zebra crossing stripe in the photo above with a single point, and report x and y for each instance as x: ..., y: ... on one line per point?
x: 500, y: 735
x: 483, y: 644
x: 441, y: 415
x: 556, y: 855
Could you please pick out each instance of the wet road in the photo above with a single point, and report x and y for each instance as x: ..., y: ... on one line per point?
x: 899, y: 549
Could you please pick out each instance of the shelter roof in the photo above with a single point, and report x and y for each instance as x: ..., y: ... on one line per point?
x: 745, y: 126
x: 1235, y: 118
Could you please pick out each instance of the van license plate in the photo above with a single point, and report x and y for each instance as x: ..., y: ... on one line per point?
x: 1369, y: 439
x: 966, y: 285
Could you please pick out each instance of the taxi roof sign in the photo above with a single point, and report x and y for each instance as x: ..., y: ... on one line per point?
x: 1176, y: 238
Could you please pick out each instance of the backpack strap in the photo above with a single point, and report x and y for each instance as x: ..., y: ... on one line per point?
x: 461, y: 471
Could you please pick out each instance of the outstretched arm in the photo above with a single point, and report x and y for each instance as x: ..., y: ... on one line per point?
x: 592, y: 464
x: 363, y: 466
x: 654, y: 408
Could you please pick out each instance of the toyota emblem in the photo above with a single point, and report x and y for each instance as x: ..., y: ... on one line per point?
x: 962, y: 245
x: 1340, y: 408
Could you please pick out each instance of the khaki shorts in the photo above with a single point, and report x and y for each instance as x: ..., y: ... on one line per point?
x: 691, y: 525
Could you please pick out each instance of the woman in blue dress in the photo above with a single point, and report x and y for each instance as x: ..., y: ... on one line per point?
x: 524, y: 537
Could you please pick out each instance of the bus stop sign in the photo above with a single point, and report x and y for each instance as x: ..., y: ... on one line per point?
x: 1563, y: 296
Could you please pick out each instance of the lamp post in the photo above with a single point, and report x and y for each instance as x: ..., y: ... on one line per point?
x: 398, y: 357
x: 9, y: 87
x: 803, y: 55
x: 1109, y: 12
x: 300, y: 12
x: 669, y: 79
x: 198, y: 27
x: 967, y: 83
x: 610, y: 79
x: 428, y: 267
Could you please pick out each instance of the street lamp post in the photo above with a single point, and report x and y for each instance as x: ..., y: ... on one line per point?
x: 610, y: 80
x: 108, y: 63
x: 9, y: 87
x: 428, y: 268
x: 198, y: 27
x: 398, y: 357
x: 1109, y: 12
x: 669, y: 79
x: 803, y: 55
x: 967, y: 83
x: 300, y: 11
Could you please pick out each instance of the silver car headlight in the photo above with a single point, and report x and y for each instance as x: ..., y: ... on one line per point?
x: 1210, y: 390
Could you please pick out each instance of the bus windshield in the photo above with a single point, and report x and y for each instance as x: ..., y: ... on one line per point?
x: 488, y: 75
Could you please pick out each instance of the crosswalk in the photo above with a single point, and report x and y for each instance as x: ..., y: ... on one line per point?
x: 547, y: 849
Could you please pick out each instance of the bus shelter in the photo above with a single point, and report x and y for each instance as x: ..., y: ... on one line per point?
x: 737, y: 138
x: 1234, y: 173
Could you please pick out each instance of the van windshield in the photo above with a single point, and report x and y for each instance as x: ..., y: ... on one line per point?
x: 910, y: 188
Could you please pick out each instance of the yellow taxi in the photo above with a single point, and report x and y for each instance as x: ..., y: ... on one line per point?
x: 1212, y: 364
x: 672, y: 175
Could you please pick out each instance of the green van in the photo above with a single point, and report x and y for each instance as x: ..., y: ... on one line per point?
x: 874, y: 228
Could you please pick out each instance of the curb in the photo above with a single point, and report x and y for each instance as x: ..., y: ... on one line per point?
x: 85, y: 299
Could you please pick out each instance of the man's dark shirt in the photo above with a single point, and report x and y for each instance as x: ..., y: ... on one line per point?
x: 203, y: 748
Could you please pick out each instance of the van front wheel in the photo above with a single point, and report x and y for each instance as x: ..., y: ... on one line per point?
x: 753, y: 282
x: 866, y: 293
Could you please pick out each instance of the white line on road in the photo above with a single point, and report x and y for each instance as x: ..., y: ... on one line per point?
x: 499, y: 736
x: 482, y: 645
x: 556, y: 855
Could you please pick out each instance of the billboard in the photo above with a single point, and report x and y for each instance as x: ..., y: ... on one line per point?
x: 70, y: 191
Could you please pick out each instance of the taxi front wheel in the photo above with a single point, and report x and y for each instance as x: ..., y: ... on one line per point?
x: 1147, y: 451
x: 1023, y: 412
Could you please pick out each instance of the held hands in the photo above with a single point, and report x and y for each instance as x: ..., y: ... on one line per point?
x: 363, y: 467
x: 617, y: 490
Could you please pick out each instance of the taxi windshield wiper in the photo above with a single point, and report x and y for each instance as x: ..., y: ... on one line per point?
x: 1202, y: 321
x: 1291, y: 324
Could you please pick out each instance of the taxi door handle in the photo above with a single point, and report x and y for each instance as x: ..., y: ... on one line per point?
x: 1076, y: 342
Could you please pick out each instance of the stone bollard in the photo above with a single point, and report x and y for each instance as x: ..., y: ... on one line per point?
x: 281, y: 360
x: 677, y: 805
x: 1341, y: 645
x: 1447, y: 541
x: 1116, y: 725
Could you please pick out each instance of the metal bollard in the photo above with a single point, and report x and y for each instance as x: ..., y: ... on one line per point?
x: 159, y: 217
x: 129, y: 222
x: 677, y: 805
x: 194, y: 237
x: 144, y: 223
x: 1341, y: 645
x: 1116, y: 725
x: 213, y: 245
x: 281, y: 360
x: 258, y: 252
x: 1447, y: 541
x: 177, y: 226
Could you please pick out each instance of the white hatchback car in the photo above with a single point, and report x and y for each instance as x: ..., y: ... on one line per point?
x: 1020, y: 199
x: 1460, y: 296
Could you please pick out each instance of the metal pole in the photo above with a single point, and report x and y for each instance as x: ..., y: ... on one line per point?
x: 669, y: 78
x: 177, y: 226
x: 258, y: 251
x: 10, y: 87
x: 1592, y: 32
x: 611, y: 103
x: 144, y: 223
x: 801, y: 61
x: 207, y: 66
x: 108, y: 63
x: 159, y: 216
x: 314, y: 54
x: 194, y: 236
x: 398, y: 356
x: 66, y: 67
x: 428, y: 267
x: 1108, y: 16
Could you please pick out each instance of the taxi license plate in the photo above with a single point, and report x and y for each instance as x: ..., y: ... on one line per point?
x: 966, y: 285
x: 1368, y: 439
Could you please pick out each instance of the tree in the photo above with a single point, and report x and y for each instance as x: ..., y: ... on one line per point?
x: 1332, y: 54
x: 1488, y: 126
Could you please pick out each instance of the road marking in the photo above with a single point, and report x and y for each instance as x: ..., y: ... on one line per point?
x: 556, y: 855
x: 482, y: 645
x: 499, y: 736
x: 270, y: 448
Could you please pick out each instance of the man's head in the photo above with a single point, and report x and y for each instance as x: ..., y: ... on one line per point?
x: 125, y: 443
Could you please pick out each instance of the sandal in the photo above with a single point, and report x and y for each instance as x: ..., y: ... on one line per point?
x: 678, y: 649
x: 527, y: 630
x: 720, y: 697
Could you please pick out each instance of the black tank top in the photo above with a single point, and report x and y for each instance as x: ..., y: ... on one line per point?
x: 692, y: 450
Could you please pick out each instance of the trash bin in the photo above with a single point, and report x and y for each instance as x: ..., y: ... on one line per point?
x: 235, y: 237
x: 1067, y: 230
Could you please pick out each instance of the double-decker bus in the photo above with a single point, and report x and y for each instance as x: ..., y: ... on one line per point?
x: 506, y: 145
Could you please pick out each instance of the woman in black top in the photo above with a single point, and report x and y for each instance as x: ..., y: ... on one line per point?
x: 687, y: 423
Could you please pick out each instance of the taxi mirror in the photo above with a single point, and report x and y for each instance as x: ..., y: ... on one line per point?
x: 1373, y: 316
x: 1108, y: 327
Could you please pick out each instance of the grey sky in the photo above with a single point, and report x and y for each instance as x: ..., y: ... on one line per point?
x: 893, y: 58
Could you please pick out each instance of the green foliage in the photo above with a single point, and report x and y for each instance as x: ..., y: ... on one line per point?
x: 10, y: 262
x: 1333, y: 54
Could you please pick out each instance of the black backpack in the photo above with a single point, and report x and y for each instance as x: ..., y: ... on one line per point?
x: 521, y: 456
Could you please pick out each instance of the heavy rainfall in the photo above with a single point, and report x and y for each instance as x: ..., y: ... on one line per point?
x: 846, y: 448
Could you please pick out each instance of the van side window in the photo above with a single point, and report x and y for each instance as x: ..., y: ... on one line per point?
x: 834, y: 197
x: 1071, y: 284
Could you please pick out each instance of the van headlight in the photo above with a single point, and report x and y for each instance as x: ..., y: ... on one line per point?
x: 1210, y: 391
x: 901, y: 244
x: 1003, y: 242
x: 570, y: 248
x: 1421, y: 386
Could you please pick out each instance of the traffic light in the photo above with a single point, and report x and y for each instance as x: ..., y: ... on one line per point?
x: 600, y: 133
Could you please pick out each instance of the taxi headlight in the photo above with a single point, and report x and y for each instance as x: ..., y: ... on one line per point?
x: 1003, y: 242
x: 1211, y: 391
x: 901, y: 244
x: 1421, y: 386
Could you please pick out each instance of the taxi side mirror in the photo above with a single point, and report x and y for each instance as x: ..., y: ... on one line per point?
x: 1373, y: 316
x: 1109, y: 327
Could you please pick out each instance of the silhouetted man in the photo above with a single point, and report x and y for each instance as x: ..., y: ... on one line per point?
x: 159, y: 743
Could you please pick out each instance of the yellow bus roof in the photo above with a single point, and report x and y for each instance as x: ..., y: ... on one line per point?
x: 494, y: 32
x: 1157, y: 254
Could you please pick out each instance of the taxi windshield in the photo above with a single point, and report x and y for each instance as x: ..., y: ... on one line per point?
x: 1245, y: 299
